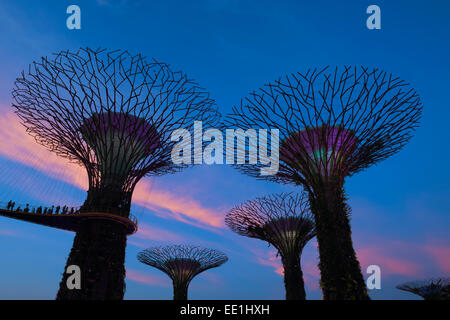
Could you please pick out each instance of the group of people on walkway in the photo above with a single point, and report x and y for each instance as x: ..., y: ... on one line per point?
x: 41, y: 210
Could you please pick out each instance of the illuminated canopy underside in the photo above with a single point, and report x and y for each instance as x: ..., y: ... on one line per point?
x: 182, y: 268
x: 288, y: 233
x: 119, y: 142
x: 323, y: 150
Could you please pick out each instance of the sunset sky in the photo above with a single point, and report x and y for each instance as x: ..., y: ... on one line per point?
x: 400, y: 208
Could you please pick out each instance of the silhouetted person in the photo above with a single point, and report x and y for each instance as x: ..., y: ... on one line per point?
x: 71, y: 210
x: 18, y: 209
x: 9, y: 205
x: 57, y: 209
x: 12, y: 206
x: 27, y: 208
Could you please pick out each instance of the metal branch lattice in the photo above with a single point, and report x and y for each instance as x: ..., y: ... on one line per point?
x: 180, y: 262
x: 333, y: 123
x: 283, y: 220
x: 431, y: 289
x: 111, y: 112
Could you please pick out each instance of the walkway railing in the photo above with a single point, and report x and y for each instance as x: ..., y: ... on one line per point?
x: 60, y: 210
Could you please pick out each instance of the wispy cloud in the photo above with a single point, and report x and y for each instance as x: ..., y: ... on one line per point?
x: 407, y: 258
x: 19, y: 146
x: 440, y: 254
x: 177, y: 206
x: 311, y: 274
x: 147, y: 232
x: 269, y: 258
x: 144, y: 278
x: 388, y: 261
x: 213, y: 279
x: 393, y: 258
x: 9, y: 233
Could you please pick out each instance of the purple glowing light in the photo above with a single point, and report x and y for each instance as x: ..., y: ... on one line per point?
x: 326, y: 146
x: 106, y: 127
x: 283, y: 224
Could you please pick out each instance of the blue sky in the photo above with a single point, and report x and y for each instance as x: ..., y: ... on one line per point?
x: 401, y: 207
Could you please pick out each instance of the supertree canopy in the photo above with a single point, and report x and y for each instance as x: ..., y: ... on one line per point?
x: 113, y: 113
x: 326, y: 148
x: 119, y: 141
x: 332, y: 124
x: 182, y: 263
x: 431, y: 289
x: 284, y: 221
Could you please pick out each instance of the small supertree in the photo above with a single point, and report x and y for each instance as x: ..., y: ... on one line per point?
x: 431, y: 289
x: 332, y: 124
x: 182, y: 263
x: 284, y: 221
x: 112, y: 113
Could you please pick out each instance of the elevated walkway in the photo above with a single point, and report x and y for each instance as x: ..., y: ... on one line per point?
x: 67, y: 221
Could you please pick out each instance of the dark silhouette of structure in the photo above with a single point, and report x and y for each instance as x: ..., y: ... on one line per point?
x: 431, y: 289
x: 182, y: 263
x: 113, y: 113
x: 284, y: 221
x: 68, y: 219
x: 332, y: 124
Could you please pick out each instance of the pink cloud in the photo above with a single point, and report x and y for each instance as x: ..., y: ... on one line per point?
x: 406, y: 258
x: 141, y: 277
x: 441, y: 255
x: 273, y: 262
x: 19, y: 146
x: 9, y: 233
x: 137, y: 243
x: 268, y: 258
x: 146, y: 232
x: 311, y: 274
x: 389, y: 262
x: 179, y: 207
x: 213, y: 279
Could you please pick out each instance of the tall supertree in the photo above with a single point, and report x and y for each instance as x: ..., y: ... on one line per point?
x: 113, y: 113
x: 284, y: 221
x: 182, y: 263
x: 431, y: 289
x: 332, y: 124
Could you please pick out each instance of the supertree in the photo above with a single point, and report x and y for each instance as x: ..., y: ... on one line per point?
x: 332, y: 124
x: 113, y: 113
x: 182, y: 263
x: 431, y: 289
x: 284, y: 221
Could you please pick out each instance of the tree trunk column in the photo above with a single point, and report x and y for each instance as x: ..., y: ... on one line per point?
x: 293, y: 278
x: 180, y: 291
x: 341, y: 277
x: 99, y: 250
